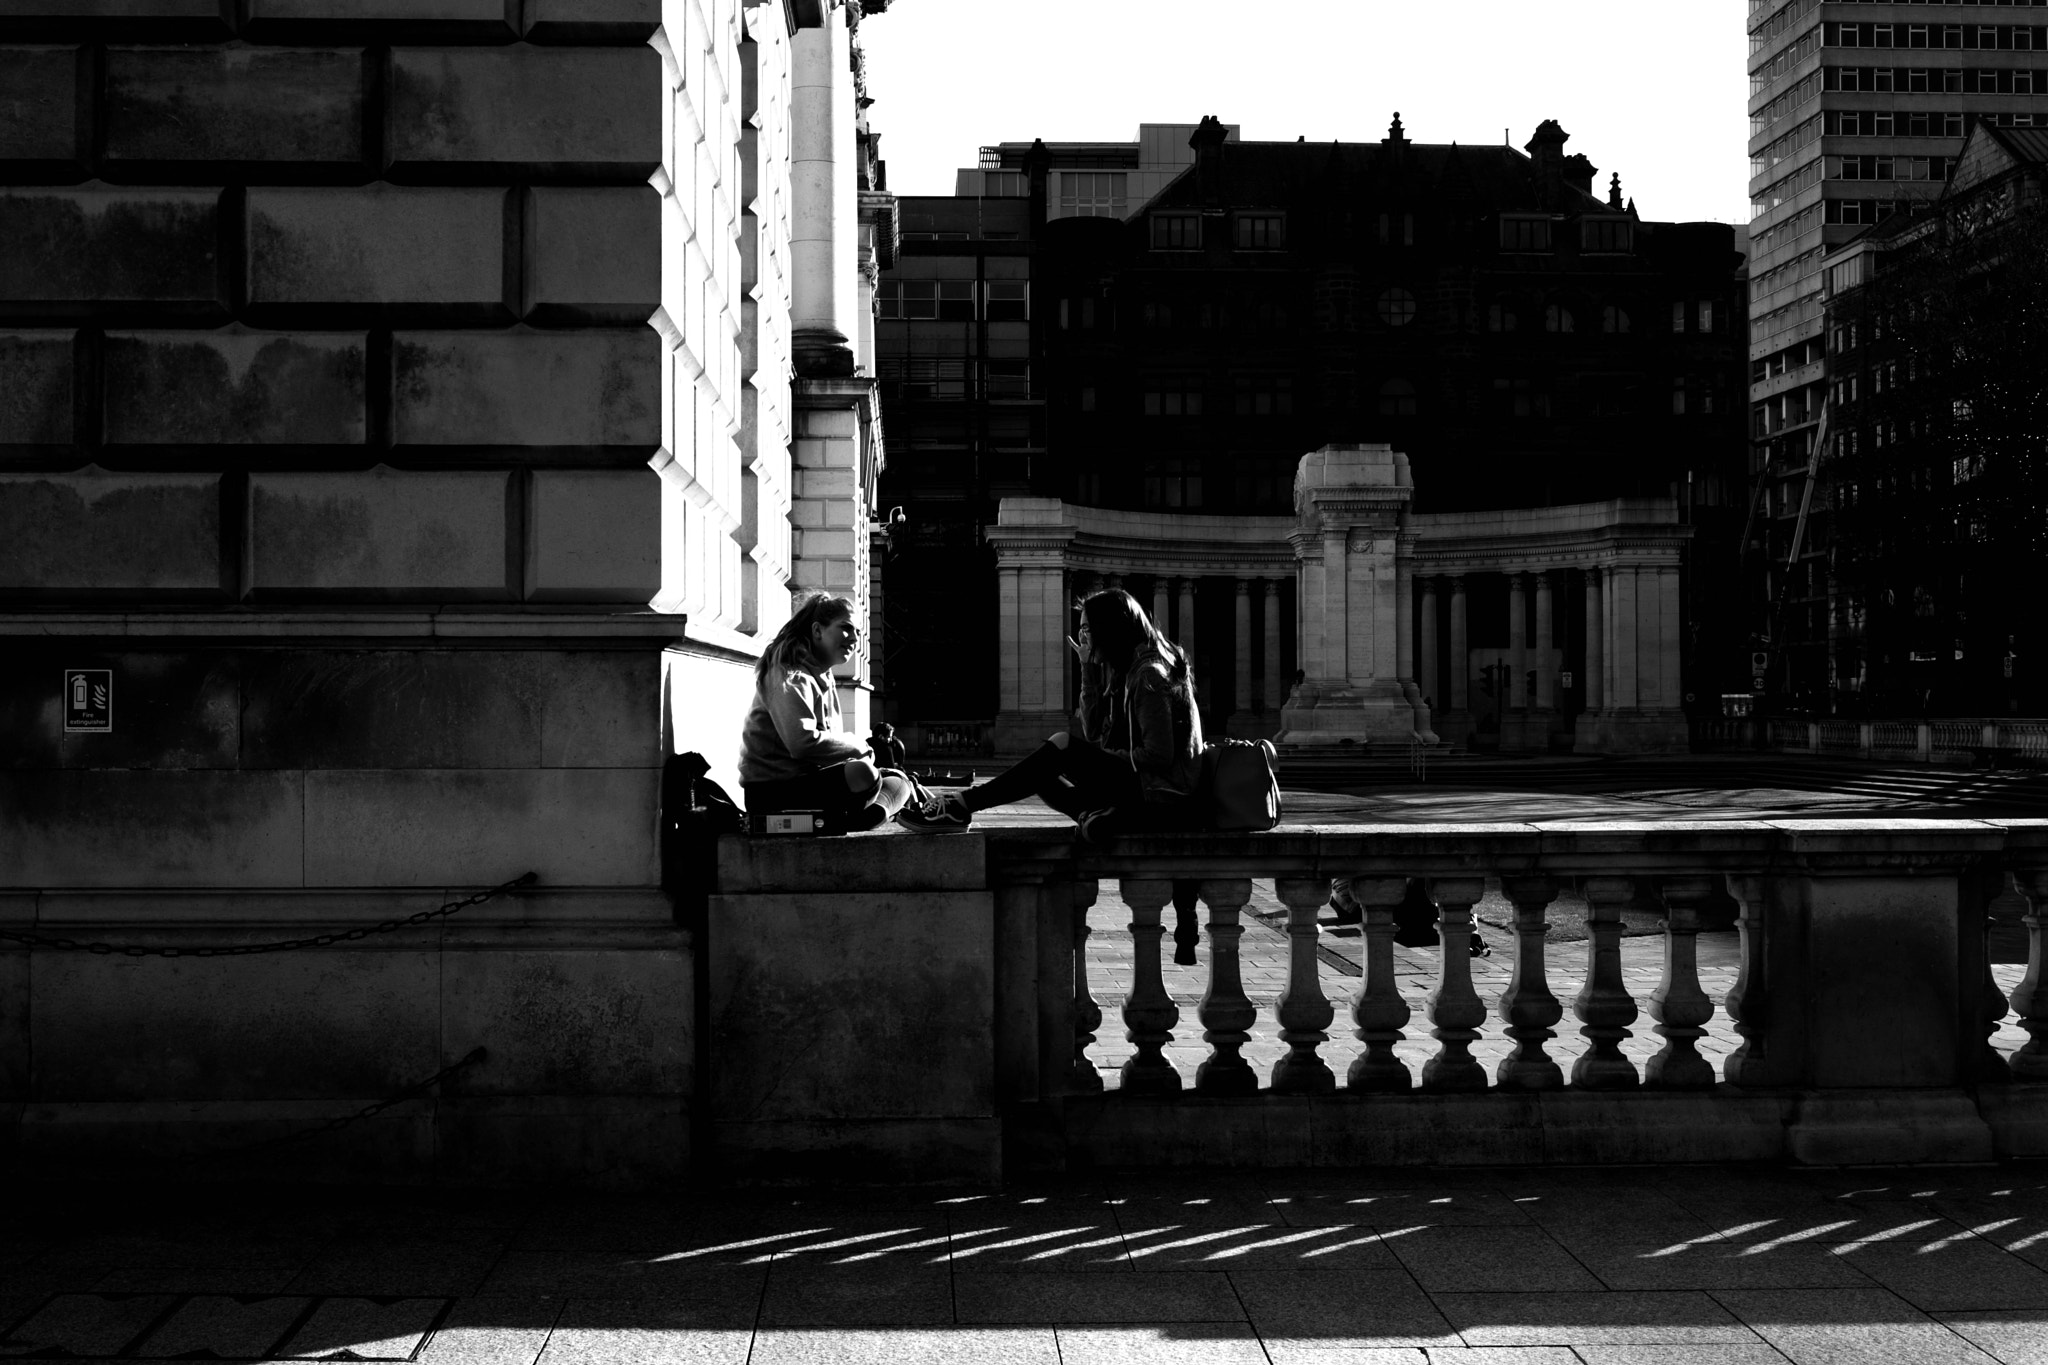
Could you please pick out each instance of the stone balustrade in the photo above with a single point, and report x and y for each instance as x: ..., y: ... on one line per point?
x: 1957, y: 740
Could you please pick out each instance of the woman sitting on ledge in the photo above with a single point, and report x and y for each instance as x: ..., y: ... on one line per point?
x: 1135, y: 763
x: 794, y: 755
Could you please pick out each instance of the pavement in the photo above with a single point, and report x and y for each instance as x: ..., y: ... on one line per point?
x: 1681, y: 1266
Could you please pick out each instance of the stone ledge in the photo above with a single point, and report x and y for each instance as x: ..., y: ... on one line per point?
x: 594, y: 628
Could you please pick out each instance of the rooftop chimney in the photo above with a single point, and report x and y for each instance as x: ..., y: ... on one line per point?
x: 1207, y: 141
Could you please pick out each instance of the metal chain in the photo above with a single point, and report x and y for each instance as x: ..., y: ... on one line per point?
x: 282, y: 945
x: 476, y: 1054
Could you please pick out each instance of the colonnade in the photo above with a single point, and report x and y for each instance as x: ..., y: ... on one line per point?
x: 1256, y: 676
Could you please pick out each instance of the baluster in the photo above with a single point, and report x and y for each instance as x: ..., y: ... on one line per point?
x: 2030, y: 997
x: 1149, y: 1012
x: 1604, y: 1005
x: 1454, y: 1007
x: 1087, y: 1014
x: 1378, y: 1011
x: 1304, y: 1011
x: 1227, y: 1014
x: 2008, y: 905
x: 1187, y: 926
x: 1680, y: 1007
x: 1527, y: 1006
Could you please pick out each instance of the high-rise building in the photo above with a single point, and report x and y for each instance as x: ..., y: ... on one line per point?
x: 1854, y: 107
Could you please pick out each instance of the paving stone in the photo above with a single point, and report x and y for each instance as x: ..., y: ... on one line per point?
x: 364, y: 1329
x: 1720, y: 1265
x: 2016, y: 1336
x: 908, y: 1346
x: 1572, y: 1319
x: 1849, y: 1327
x: 1270, y: 1246
x: 220, y: 1325
x: 885, y: 1292
x: 1084, y: 1297
x: 613, y: 1275
x: 1296, y: 1353
x: 1038, y: 1242
x: 492, y: 1331
x: 1502, y: 1355
x: 1968, y: 1273
x: 1459, y: 1258
x: 1756, y: 1353
x: 698, y: 1330
x: 1181, y: 1344
x: 1340, y: 1309
x: 1405, y: 1208
x: 87, y: 1324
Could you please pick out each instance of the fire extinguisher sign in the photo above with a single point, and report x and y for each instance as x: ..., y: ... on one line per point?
x: 89, y: 700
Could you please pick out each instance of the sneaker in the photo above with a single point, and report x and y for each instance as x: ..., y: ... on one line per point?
x: 942, y: 814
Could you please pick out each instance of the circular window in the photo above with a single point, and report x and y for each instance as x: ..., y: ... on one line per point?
x: 1397, y: 307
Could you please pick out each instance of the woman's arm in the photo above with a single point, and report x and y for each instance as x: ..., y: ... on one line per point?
x: 1093, y: 716
x: 798, y: 710
x: 1152, y: 714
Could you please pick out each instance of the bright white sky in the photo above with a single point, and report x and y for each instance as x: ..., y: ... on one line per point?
x: 1655, y: 89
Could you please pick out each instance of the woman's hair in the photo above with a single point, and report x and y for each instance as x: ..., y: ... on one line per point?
x: 811, y: 609
x: 1122, y: 631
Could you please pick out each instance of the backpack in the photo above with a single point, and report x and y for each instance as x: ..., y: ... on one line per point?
x: 1238, y: 789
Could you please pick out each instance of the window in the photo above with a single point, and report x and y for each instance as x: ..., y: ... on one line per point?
x: 1397, y: 307
x: 1613, y: 319
x: 1500, y: 317
x: 1176, y: 232
x: 1173, y: 397
x: 925, y: 378
x: 1156, y: 313
x: 1678, y: 396
x: 1397, y: 228
x: 1520, y: 398
x: 1557, y: 318
x: 1173, y: 481
x: 1397, y: 398
x: 1261, y: 231
x: 1005, y: 184
x: 1264, y: 395
x: 1006, y: 379
x: 1706, y: 315
x: 1092, y: 194
x: 956, y: 300
x: 1678, y: 316
x: 1087, y: 398
x: 1605, y: 234
x: 1524, y: 234
x: 1008, y: 301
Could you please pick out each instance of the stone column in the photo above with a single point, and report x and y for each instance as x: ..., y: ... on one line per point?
x: 1241, y: 701
x: 1596, y: 642
x: 1546, y: 671
x: 1113, y: 581
x: 1460, y: 663
x: 1007, y: 633
x: 1184, y: 634
x: 1030, y: 539
x: 1427, y: 674
x: 1275, y: 689
x: 1159, y: 616
x: 1404, y: 634
x: 1622, y: 613
x: 1670, y: 609
x: 824, y: 195
x: 1515, y: 695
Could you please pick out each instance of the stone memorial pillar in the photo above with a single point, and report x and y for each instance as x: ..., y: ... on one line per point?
x: 1350, y: 501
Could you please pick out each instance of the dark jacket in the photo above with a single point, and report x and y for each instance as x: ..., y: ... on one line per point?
x: 1147, y: 719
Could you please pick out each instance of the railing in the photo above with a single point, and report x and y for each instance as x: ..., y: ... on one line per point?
x: 947, y: 739
x: 1931, y: 741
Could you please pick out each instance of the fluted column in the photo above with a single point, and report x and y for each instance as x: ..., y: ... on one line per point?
x: 1087, y: 1014
x: 1454, y: 1007
x: 1378, y: 1011
x: 1427, y: 671
x: 1596, y: 645
x: 1679, y: 1006
x: 1275, y: 689
x: 1149, y: 1012
x: 1184, y: 634
x: 1460, y: 662
x: 824, y: 197
x: 1241, y: 701
x: 1604, y: 1006
x: 1227, y: 1014
x: 1546, y: 675
x: 1516, y: 694
x: 1527, y: 1006
x: 1304, y: 1011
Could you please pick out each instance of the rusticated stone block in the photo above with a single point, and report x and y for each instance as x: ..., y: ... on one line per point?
x: 45, y: 120
x: 580, y: 112
x: 156, y: 829
x: 593, y: 255
x: 37, y: 378
x: 95, y: 532
x: 234, y: 387
x: 230, y: 105
x: 420, y: 827
x: 592, y: 21
x: 192, y: 20
x: 450, y: 708
x: 593, y: 535
x: 98, y: 250
x: 172, y: 709
x: 381, y: 534
x: 594, y: 389
x: 472, y: 20
x: 439, y: 252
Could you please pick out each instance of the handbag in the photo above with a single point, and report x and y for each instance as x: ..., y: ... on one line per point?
x: 1238, y: 788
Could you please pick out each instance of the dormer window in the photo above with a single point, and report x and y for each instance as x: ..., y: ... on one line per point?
x: 1613, y: 235
x: 1521, y: 233
x: 1261, y: 231
x: 1176, y: 232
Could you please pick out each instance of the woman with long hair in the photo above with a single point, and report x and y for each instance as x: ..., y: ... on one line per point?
x: 1135, y: 756
x: 794, y: 753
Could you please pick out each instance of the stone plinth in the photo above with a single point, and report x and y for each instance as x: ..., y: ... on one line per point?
x: 1351, y: 503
